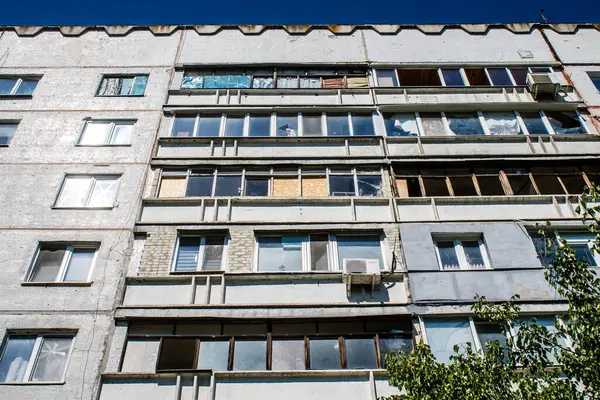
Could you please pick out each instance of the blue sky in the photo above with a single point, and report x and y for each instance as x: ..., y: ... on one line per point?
x: 155, y: 12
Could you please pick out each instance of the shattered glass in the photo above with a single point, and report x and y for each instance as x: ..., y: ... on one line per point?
x: 565, y: 122
x: 465, y: 124
x: 502, y: 124
x: 192, y: 82
x: 401, y: 125
x: 52, y: 360
x: 263, y: 83
x: 227, y: 81
x: 110, y: 87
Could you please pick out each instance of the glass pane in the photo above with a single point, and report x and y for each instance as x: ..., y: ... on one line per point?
x: 192, y: 82
x: 464, y: 124
x: 443, y: 334
x: 386, y: 77
x: 502, y: 124
x: 363, y: 125
x: 280, y: 253
x: 432, y: 124
x: 288, y: 355
x: 47, y: 265
x: 139, y: 87
x: 263, y: 83
x: 390, y: 344
x: 227, y: 81
x: 521, y: 185
x: 94, y: 133
x: 74, y: 192
x: 312, y: 125
x: 565, y: 122
x: 52, y: 360
x: 213, y: 355
x: 187, y: 254
x: 489, y: 332
x: 473, y: 254
x: 122, y: 134
x: 448, y: 256
x: 103, y: 193
x: 228, y: 186
x: 324, y: 354
x: 183, y: 127
x: 369, y: 185
x: 6, y: 132
x: 595, y: 80
x: 310, y: 83
x: 583, y: 253
x: 359, y: 246
x: 250, y: 355
x: 360, y: 354
x: 337, y: 125
x: 341, y: 185
x: 27, y: 86
x: 213, y: 253
x: 319, y: 260
x: 287, y: 125
x: 499, y: 77
x: 401, y: 125
x: 79, y: 265
x: 519, y: 75
x: 126, y: 84
x: 287, y: 82
x: 234, y: 126
x: 110, y: 87
x: 199, y: 186
x: 533, y: 123
x: 260, y: 125
x: 452, y: 77
x: 540, y: 70
x: 7, y: 85
x: 209, y: 126
x: 548, y: 323
x: 257, y: 187
x: 15, y: 358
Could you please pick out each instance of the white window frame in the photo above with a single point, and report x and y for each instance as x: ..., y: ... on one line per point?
x: 66, y: 261
x: 33, y: 359
x: 472, y: 325
x: 94, y: 179
x: 332, y: 250
x: 20, y: 80
x: 580, y: 238
x: 460, y: 253
x: 200, y: 255
x: 376, y: 77
x: 112, y: 126
x: 461, y: 71
x: 594, y: 75
x: 489, y: 77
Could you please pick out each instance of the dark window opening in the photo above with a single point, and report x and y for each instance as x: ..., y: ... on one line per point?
x: 548, y: 184
x: 574, y: 183
x: 490, y: 185
x: 477, y: 77
x: 565, y: 122
x: 463, y: 186
x: 419, y: 77
x: 521, y: 184
x: 435, y: 187
x: 177, y: 354
x: 519, y: 75
x: 534, y: 124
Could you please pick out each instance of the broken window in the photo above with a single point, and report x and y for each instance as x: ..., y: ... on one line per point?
x: 337, y: 125
x: 177, y: 353
x: 204, y: 253
x: 477, y: 77
x: 123, y: 85
x: 362, y: 124
x: 574, y: 183
x: 287, y: 125
x: 444, y: 333
x: 565, y: 122
x: 279, y: 253
x: 312, y: 125
x: 17, y: 86
x: 452, y: 77
x: 7, y: 130
x: 408, y: 187
x: 227, y: 81
x: 184, y: 126
x: 386, y: 78
x: 548, y: 183
x: 263, y: 82
x: 88, y: 191
x: 19, y: 362
x: 62, y: 263
x: 106, y: 133
x: 489, y: 183
x: 432, y: 124
x: 502, y: 123
x: 369, y: 185
x: 260, y: 125
x: 500, y: 77
x: 464, y: 124
x: 404, y: 124
x: 534, y: 123
x: 419, y: 77
x: 234, y: 126
x: 209, y: 125
x: 393, y: 344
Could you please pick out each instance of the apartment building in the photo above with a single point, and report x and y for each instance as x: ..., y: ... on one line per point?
x: 264, y: 211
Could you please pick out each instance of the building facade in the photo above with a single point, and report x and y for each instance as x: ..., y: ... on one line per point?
x: 199, y: 200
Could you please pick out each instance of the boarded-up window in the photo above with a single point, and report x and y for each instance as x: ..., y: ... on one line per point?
x: 333, y: 83
x: 285, y: 187
x: 172, y: 186
x: 314, y: 186
x: 358, y: 82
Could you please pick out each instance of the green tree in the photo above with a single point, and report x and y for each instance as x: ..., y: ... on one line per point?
x: 536, y: 363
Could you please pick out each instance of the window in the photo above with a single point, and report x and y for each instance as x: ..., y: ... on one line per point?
x: 464, y: 123
x: 315, y: 251
x: 500, y: 77
x: 287, y: 125
x: 502, y: 123
x: 534, y: 123
x: 17, y: 86
x: 80, y: 191
x: 200, y: 253
x: 477, y: 77
x: 386, y: 78
x: 582, y: 245
x: 444, y: 333
x: 452, y: 77
x: 404, y: 124
x: 565, y: 122
x: 365, y: 182
x: 595, y: 78
x: 455, y: 254
x: 123, y: 85
x: 30, y: 358
x: 63, y: 263
x: 260, y: 125
x: 419, y: 77
x: 98, y: 133
x: 432, y: 124
x: 7, y: 130
x: 221, y: 183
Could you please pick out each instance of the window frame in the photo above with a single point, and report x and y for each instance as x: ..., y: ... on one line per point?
x: 34, y: 357
x: 65, y: 263
x: 112, y: 126
x: 580, y: 238
x: 461, y: 255
x: 10, y: 122
x: 594, y: 77
x: 122, y: 76
x: 200, y: 255
x: 20, y: 79
x: 94, y: 179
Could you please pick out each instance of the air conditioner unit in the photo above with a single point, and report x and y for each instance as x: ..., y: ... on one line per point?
x: 543, y: 84
x: 361, y: 271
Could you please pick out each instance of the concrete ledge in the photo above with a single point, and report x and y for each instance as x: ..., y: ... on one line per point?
x: 56, y: 284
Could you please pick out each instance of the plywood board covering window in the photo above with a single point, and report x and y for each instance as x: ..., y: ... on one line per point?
x: 172, y: 186
x: 402, y: 185
x: 285, y: 187
x: 358, y: 82
x: 314, y: 186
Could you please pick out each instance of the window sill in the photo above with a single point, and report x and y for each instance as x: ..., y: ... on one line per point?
x: 81, y: 208
x: 56, y: 284
x: 3, y: 145
x: 124, y: 95
x: 103, y: 145
x: 15, y: 96
x: 193, y: 273
x: 208, y: 139
x: 31, y: 383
